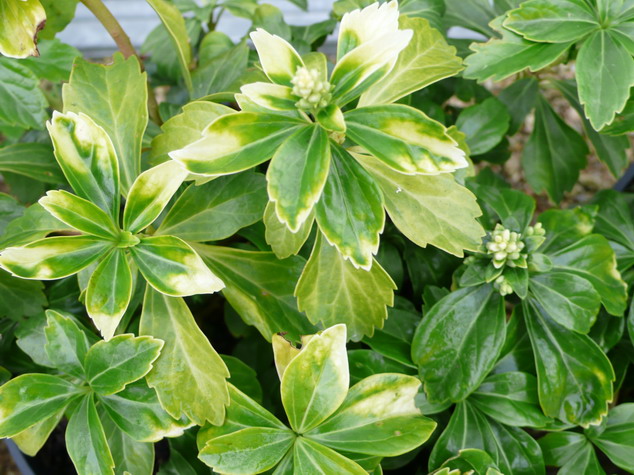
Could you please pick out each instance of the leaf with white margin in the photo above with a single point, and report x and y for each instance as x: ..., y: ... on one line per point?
x: 189, y: 376
x: 113, y: 364
x: 80, y: 214
x: 282, y: 240
x: 378, y: 417
x: 350, y: 211
x: 271, y: 96
x: 297, y: 174
x: 137, y: 412
x: 53, y: 258
x: 360, y: 26
x: 236, y: 142
x: 31, y: 398
x: 426, y: 59
x: 329, y: 284
x: 311, y: 457
x: 615, y: 437
x: 405, y: 139
x: 86, y: 441
x: 109, y: 292
x: 150, y: 193
x: 315, y: 382
x: 429, y: 209
x: 283, y: 353
x: 172, y: 267
x: 134, y: 457
x: 277, y: 57
x: 21, y: 21
x: 87, y: 157
x: 31, y: 440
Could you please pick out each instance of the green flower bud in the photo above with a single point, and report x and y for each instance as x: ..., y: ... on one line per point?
x: 313, y: 92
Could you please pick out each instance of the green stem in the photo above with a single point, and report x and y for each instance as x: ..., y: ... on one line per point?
x: 121, y: 38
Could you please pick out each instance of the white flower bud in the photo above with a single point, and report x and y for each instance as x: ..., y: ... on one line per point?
x: 313, y: 92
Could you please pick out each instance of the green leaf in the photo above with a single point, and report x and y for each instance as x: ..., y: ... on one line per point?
x: 109, y: 292
x: 23, y: 102
x: 136, y: 411
x: 134, y: 457
x: 308, y: 401
x: 484, y: 124
x: 87, y: 158
x: 33, y: 160
x: 220, y: 73
x: 86, y: 441
x: 574, y: 376
x: 59, y: 13
x: 21, y: 20
x: 474, y: 15
x: 458, y: 341
x: 216, y: 210
x: 150, y: 193
x: 111, y: 365
x: 80, y: 214
x: 172, y: 267
x: 244, y: 377
x: 615, y: 437
x: 570, y: 299
x: 616, y: 223
x: 175, y: 25
x: 611, y: 150
x: 470, y: 460
x: 519, y: 99
x: 329, y: 284
x: 498, y: 59
x: 378, y: 417
x: 623, y: 122
x: 426, y: 59
x: 511, y: 399
x: 605, y: 74
x: 283, y: 242
x: 553, y: 21
x: 34, y: 224
x: 236, y: 142
x: 260, y: 288
x: 297, y: 174
x: 66, y: 345
x: 350, y: 212
x: 278, y: 58
x: 429, y: 209
x: 20, y: 297
x: 592, y: 258
x: 185, y: 128
x: 115, y: 97
x: 554, y: 153
x: 31, y: 398
x: 249, y: 450
x: 189, y: 376
x: 311, y: 457
x: 10, y: 210
x: 514, y: 208
x: 55, y: 61
x: 572, y: 452
x: 53, y: 258
x: 512, y: 449
x: 405, y: 139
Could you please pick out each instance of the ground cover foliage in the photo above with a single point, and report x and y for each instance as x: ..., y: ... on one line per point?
x: 285, y: 255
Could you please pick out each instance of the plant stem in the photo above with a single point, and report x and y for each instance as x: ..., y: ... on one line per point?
x: 121, y: 38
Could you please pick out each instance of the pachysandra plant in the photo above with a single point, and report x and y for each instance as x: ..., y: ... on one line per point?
x: 166, y: 258
x: 333, y: 428
x: 297, y: 120
x: 87, y: 158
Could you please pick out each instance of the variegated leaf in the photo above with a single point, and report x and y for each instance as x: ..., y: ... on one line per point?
x: 173, y: 268
x: 271, y: 96
x: 53, y: 258
x: 87, y: 157
x: 405, y: 139
x: 109, y: 292
x: 236, y: 142
x: 278, y: 58
x: 21, y: 20
x: 297, y: 174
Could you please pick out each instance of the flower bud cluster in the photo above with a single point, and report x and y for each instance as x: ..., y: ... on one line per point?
x: 537, y: 230
x: 313, y: 92
x: 502, y: 286
x: 505, y: 246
